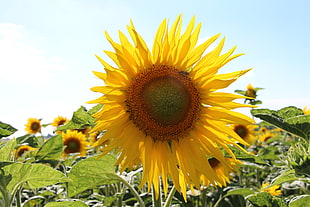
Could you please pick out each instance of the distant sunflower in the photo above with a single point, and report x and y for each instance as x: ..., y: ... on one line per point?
x: 162, y: 109
x: 246, y: 132
x: 59, y: 121
x: 74, y: 142
x: 306, y: 110
x: 22, y: 149
x: 273, y: 190
x: 33, y: 126
x: 250, y: 92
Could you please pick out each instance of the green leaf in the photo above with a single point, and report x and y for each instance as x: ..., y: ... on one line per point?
x: 95, y: 109
x: 240, y: 92
x: 286, y: 176
x: 241, y: 191
x: 241, y: 155
x: 51, y: 149
x: 6, y: 150
x: 303, y: 200
x: 80, y: 120
x: 6, y: 130
x: 67, y: 204
x: 91, y: 172
x: 290, y: 119
x: 28, y: 139
x: 265, y: 199
x: 35, y: 175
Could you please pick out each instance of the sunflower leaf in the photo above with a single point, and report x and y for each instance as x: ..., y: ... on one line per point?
x: 246, y: 156
x: 286, y: 176
x: 67, y: 204
x: 240, y: 191
x: 35, y: 175
x: 7, y: 149
x: 51, y: 149
x: 80, y: 120
x: 91, y: 172
x: 265, y: 199
x: 6, y: 130
x: 290, y: 119
x: 303, y: 200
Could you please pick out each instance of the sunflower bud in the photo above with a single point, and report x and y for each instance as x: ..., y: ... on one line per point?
x: 299, y: 158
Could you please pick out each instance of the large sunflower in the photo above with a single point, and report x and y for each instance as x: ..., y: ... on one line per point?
x: 162, y: 109
x: 33, y: 126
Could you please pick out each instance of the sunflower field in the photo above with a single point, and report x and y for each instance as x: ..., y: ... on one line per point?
x: 163, y: 133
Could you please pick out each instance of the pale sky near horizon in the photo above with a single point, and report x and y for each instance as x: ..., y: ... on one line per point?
x: 47, y: 48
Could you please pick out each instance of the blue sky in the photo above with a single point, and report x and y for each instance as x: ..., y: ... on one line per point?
x: 47, y: 48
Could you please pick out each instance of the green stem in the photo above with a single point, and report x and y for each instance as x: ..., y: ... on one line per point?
x: 18, y: 199
x: 156, y: 201
x: 133, y: 190
x: 170, y: 196
x: 6, y: 196
x: 204, y: 197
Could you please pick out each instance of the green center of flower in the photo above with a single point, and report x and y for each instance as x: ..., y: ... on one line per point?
x: 163, y: 102
x: 166, y: 99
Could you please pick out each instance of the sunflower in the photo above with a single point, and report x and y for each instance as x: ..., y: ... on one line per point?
x: 162, y: 109
x: 250, y: 92
x: 306, y: 110
x: 22, y: 149
x: 246, y: 132
x: 75, y: 142
x: 59, y: 121
x: 273, y: 190
x: 33, y: 126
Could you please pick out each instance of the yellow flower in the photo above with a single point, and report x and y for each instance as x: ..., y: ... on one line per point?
x: 22, y: 149
x: 75, y: 142
x: 33, y: 126
x: 162, y: 109
x: 273, y: 190
x: 59, y: 121
x: 246, y: 132
x: 250, y: 92
x: 306, y: 110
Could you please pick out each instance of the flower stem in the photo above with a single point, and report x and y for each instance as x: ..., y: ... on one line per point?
x: 133, y: 190
x: 156, y: 199
x: 170, y: 196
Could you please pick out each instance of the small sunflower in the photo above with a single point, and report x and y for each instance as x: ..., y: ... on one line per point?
x: 59, y: 121
x: 162, y: 108
x: 33, y: 126
x: 250, y: 91
x: 74, y: 142
x: 22, y: 149
x: 306, y: 110
x: 273, y: 190
x: 246, y: 132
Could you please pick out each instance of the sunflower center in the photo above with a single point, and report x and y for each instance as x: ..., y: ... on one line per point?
x: 163, y: 102
x: 241, y: 130
x: 35, y: 126
x: 72, y: 145
x: 166, y: 99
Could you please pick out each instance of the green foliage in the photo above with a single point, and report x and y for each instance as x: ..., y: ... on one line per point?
x: 81, y: 119
x: 51, y: 149
x: 67, y: 204
x: 6, y: 150
x: 290, y: 119
x: 34, y: 175
x: 300, y: 201
x: 264, y: 199
x: 286, y: 176
x: 6, y: 130
x: 91, y: 172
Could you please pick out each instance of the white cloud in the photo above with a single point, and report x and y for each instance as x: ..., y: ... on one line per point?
x: 22, y: 62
